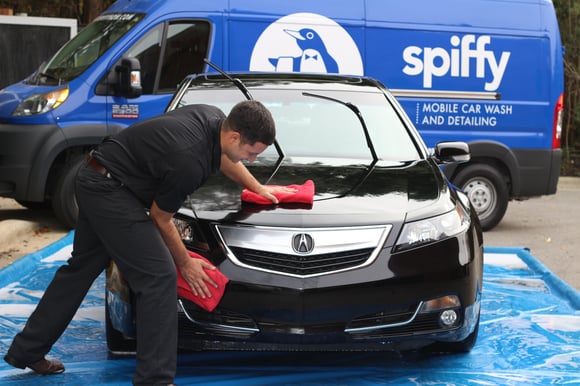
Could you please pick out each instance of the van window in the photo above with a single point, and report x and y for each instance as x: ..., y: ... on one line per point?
x: 185, y: 48
x: 85, y: 48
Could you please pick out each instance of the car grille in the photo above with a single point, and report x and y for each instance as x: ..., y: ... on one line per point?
x: 302, y: 265
x: 302, y: 252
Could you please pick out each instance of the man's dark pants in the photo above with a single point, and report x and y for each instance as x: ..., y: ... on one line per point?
x: 112, y: 224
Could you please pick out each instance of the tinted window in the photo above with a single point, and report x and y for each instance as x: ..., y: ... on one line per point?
x: 185, y: 48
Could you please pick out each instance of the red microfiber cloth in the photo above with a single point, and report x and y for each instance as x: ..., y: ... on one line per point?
x: 209, y: 304
x: 304, y: 194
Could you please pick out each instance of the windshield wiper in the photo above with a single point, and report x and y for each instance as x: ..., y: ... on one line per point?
x: 40, y: 74
x: 357, y: 112
x: 370, y: 145
x: 239, y: 84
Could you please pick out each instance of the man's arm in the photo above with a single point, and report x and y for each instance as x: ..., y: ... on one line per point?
x: 191, y: 269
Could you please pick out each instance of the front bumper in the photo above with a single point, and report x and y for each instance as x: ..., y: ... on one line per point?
x: 384, y: 314
x: 345, y: 310
x: 396, y: 327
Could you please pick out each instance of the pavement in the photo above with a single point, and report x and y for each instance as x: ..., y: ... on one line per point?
x: 24, y: 231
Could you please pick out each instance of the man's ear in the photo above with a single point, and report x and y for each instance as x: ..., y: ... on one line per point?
x: 233, y: 136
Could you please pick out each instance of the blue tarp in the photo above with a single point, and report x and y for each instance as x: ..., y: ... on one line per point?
x: 529, y: 335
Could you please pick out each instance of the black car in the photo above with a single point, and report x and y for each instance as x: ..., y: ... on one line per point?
x: 388, y: 256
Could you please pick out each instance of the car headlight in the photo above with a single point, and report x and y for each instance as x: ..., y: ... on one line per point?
x: 190, y: 235
x: 418, y: 233
x: 41, y: 103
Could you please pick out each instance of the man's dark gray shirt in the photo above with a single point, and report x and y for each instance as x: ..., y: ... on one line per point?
x: 166, y: 158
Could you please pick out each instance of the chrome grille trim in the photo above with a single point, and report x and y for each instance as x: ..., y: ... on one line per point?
x: 328, y: 241
x: 214, y: 325
x: 381, y: 326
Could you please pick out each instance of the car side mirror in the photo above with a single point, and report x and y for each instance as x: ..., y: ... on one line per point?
x: 452, y: 152
x: 129, y: 78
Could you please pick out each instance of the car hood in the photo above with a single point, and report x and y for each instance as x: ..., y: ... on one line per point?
x: 346, y: 196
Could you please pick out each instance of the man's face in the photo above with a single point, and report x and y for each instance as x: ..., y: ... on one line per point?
x: 238, y: 151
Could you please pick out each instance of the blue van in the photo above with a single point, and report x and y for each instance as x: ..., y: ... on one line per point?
x: 487, y: 72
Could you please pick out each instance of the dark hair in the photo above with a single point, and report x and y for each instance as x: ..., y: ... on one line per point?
x: 253, y: 121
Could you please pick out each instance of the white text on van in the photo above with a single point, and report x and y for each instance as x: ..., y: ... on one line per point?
x: 437, y: 61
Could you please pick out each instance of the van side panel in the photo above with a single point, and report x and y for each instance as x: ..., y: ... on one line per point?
x: 506, y: 59
x: 270, y: 40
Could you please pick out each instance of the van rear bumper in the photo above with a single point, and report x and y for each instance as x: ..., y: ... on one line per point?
x: 23, y: 170
x: 539, y: 171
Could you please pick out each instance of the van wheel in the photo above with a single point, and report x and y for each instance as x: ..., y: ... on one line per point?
x: 487, y: 190
x: 64, y: 202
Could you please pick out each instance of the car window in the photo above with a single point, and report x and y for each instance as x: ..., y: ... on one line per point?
x: 310, y: 127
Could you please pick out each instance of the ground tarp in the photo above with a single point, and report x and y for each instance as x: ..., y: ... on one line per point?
x: 529, y: 335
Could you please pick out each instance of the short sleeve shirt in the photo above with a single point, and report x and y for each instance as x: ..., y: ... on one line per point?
x: 166, y: 158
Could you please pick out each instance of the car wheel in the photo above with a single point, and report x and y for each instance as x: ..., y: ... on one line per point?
x: 117, y: 343
x: 487, y: 190
x: 64, y: 202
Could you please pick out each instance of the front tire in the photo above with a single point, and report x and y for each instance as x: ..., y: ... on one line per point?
x: 487, y: 190
x: 117, y: 343
x: 64, y: 202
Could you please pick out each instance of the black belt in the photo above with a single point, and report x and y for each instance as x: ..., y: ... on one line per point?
x: 95, y: 165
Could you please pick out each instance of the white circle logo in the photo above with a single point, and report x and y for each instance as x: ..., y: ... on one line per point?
x: 306, y: 42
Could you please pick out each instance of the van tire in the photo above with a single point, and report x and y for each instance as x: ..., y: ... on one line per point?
x: 487, y: 190
x: 64, y: 202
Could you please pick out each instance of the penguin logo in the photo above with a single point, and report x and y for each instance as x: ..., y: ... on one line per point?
x: 306, y: 42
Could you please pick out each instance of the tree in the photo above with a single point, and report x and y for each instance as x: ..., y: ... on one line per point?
x: 82, y: 10
x: 568, y: 13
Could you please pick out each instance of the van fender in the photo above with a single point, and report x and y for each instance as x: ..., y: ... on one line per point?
x: 496, y: 155
x: 58, y: 142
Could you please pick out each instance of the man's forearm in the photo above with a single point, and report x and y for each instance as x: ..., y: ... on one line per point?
x: 164, y: 222
x: 237, y: 172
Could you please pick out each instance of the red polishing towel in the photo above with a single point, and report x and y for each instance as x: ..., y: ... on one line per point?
x: 304, y: 194
x: 209, y: 304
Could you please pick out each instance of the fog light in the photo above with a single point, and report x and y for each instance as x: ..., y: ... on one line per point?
x: 448, y: 317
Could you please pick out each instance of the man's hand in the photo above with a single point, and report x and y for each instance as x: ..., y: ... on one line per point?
x: 191, y: 269
x: 194, y: 273
x: 268, y: 191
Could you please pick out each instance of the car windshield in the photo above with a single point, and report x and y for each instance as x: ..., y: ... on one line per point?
x: 310, y: 128
x: 85, y: 48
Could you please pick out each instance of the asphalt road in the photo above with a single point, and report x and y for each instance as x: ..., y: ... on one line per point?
x: 548, y: 226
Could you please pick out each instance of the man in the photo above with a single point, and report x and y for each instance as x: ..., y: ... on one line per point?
x: 153, y: 164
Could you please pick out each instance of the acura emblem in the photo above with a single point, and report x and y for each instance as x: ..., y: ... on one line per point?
x: 302, y: 243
